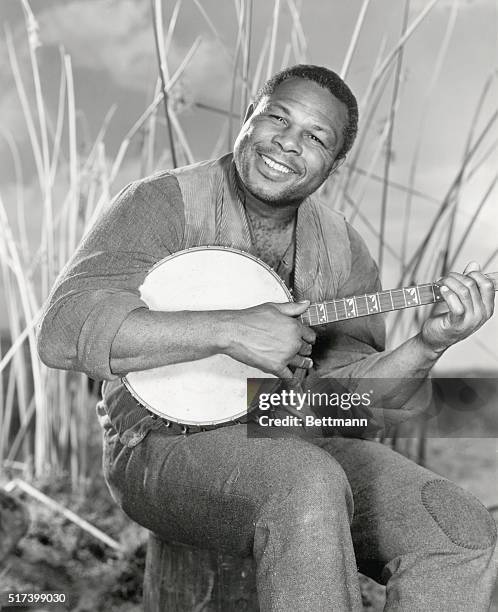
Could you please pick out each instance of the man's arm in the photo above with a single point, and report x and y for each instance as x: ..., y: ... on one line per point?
x: 469, y: 299
x: 354, y: 349
x: 98, y: 288
x: 95, y: 321
x: 268, y: 337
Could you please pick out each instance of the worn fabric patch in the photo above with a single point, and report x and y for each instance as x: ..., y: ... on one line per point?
x: 459, y: 514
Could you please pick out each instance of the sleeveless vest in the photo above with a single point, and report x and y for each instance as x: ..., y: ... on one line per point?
x: 214, y: 215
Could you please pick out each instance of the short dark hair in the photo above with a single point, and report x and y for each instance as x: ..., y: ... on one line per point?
x: 325, y: 78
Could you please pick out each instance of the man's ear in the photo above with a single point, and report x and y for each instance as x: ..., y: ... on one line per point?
x: 337, y: 164
x: 249, y: 112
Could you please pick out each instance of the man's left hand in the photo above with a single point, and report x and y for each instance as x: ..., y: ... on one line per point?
x: 469, y: 300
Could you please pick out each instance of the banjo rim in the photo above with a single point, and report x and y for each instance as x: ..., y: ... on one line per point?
x: 128, y: 384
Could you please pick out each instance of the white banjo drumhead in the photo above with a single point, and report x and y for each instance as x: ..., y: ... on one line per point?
x: 213, y: 390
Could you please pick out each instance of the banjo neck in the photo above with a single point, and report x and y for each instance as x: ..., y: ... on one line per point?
x: 374, y: 303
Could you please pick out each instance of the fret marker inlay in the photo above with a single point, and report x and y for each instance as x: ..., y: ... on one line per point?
x: 411, y: 296
x: 372, y: 303
x: 350, y: 308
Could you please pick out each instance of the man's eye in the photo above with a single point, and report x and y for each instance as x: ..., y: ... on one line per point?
x: 316, y: 139
x: 278, y: 118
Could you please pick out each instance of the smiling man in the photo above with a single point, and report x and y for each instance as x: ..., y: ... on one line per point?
x: 309, y: 510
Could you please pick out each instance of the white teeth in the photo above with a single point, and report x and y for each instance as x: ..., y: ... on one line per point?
x: 275, y: 166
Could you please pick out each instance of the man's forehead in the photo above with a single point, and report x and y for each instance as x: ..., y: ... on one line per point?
x: 309, y: 96
x: 300, y: 86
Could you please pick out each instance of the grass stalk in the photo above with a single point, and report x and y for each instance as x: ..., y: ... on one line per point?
x: 273, y: 38
x: 23, y: 99
x: 443, y: 50
x: 238, y: 47
x: 214, y: 30
x: 370, y: 169
x: 396, y: 185
x: 301, y: 45
x: 73, y: 158
x: 215, y: 109
x: 370, y: 226
x: 33, y: 43
x: 389, y: 144
x: 22, y: 433
x: 157, y: 26
x: 151, y: 133
x: 287, y: 53
x: 410, y: 30
x: 354, y: 40
x: 219, y: 147
x: 470, y: 137
x: 367, y: 107
x: 69, y: 514
x: 260, y: 63
x: 59, y: 124
x: 490, y: 259
x: 246, y: 54
x: 137, y: 126
x: 414, y: 262
x: 19, y: 182
x: 470, y: 225
x: 171, y: 26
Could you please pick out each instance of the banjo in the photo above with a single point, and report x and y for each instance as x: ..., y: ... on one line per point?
x: 213, y: 390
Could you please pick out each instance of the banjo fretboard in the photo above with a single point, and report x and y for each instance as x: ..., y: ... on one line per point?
x: 375, y: 303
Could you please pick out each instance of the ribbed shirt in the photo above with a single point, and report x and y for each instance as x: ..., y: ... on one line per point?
x: 163, y: 214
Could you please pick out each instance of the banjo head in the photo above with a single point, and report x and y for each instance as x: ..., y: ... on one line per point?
x: 213, y: 390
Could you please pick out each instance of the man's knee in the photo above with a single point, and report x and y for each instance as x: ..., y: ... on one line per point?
x: 459, y: 515
x: 315, y: 486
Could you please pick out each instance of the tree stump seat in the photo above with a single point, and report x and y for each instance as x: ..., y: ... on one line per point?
x: 181, y: 578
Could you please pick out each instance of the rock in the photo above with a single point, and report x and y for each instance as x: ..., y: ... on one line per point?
x: 14, y: 523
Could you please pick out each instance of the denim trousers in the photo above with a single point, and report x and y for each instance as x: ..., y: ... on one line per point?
x: 312, y: 513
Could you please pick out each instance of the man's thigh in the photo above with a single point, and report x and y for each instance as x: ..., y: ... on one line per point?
x: 403, y: 508
x: 210, y: 488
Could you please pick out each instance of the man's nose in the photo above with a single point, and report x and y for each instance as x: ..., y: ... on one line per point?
x: 289, y: 140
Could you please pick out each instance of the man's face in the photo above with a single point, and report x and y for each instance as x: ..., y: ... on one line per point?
x: 288, y: 145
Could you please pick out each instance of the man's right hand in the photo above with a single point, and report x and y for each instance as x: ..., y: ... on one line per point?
x: 270, y: 337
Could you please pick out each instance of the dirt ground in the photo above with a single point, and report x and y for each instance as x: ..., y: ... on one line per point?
x: 58, y: 556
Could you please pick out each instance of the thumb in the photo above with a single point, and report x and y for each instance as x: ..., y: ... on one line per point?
x: 473, y: 266
x: 292, y: 309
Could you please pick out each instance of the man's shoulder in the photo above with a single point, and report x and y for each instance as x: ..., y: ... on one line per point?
x: 325, y: 211
x: 197, y: 169
x: 339, y: 221
x: 332, y: 221
x: 169, y: 182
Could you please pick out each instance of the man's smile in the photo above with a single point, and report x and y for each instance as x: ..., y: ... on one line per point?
x: 277, y: 166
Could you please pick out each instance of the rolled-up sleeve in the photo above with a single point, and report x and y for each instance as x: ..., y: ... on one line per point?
x: 99, y: 287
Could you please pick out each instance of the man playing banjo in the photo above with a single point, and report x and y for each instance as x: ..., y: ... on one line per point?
x: 311, y: 511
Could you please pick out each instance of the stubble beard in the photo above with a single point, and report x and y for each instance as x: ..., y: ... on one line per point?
x: 283, y: 196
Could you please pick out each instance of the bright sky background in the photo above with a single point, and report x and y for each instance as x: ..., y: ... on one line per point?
x: 111, y: 47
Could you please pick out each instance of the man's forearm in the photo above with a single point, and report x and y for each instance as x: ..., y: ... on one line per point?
x: 402, y: 370
x: 149, y: 339
x: 268, y: 337
x: 412, y: 359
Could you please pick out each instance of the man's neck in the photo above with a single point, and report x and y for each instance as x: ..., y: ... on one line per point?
x: 276, y: 214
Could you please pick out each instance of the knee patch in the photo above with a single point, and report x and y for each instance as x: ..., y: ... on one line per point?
x: 459, y: 514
